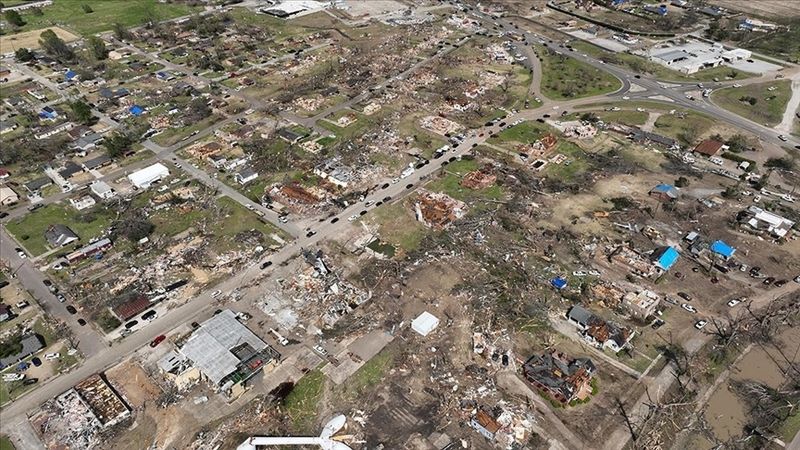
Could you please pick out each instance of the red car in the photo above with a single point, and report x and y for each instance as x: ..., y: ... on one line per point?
x: 157, y: 340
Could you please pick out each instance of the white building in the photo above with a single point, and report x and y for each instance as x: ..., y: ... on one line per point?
x: 758, y: 219
x: 102, y: 189
x: 85, y: 202
x: 142, y: 179
x: 425, y: 323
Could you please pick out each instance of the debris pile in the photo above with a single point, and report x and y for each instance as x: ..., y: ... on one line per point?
x: 438, y: 210
x: 479, y: 179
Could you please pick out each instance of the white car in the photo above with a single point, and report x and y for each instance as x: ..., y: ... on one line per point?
x: 626, y: 98
x: 216, y: 294
x: 22, y: 305
x: 319, y: 349
x: 283, y: 219
x: 700, y: 324
x: 13, y: 376
x: 52, y: 356
x: 579, y: 273
x: 689, y: 308
x: 756, y: 199
x: 21, y: 254
x: 249, y: 206
x: 783, y: 138
x: 734, y: 302
x: 352, y: 218
x: 594, y: 273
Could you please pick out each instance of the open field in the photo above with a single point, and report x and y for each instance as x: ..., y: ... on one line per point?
x: 5, y: 443
x: 30, y: 39
x: 71, y: 15
x: 775, y: 9
x: 301, y: 403
x: 565, y: 78
x: 768, y: 107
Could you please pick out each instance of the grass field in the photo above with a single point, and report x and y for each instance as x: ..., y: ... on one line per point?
x: 524, y: 133
x: 87, y: 224
x: 397, y: 225
x: 687, y: 130
x: 301, y: 403
x: 30, y: 39
x: 769, y: 106
x: 71, y: 15
x: 5, y: 444
x: 624, y: 116
x: 450, y: 183
x: 565, y: 78
x: 643, y: 66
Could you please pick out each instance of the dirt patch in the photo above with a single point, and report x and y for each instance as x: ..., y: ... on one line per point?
x: 133, y: 383
x: 200, y: 275
x: 765, y: 8
x: 30, y: 39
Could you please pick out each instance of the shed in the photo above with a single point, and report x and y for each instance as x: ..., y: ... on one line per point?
x: 136, y: 110
x: 425, y: 323
x: 558, y: 283
x: 665, y: 257
x: 664, y: 192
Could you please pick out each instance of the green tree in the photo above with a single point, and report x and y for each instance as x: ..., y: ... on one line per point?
x: 87, y: 9
x: 737, y: 143
x: 55, y: 46
x: 14, y: 18
x: 82, y: 112
x: 118, y: 144
x: 98, y: 47
x: 785, y: 163
x: 37, y: 12
x: 24, y: 55
x: 120, y: 32
x: 681, y: 182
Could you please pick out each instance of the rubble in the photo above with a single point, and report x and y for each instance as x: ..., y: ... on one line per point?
x: 437, y: 210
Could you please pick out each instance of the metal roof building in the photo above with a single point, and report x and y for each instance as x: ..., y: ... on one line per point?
x: 142, y: 179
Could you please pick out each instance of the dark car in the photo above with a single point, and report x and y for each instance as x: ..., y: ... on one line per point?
x: 546, y: 116
x: 334, y: 220
x: 363, y: 211
x: 685, y: 296
x: 81, y: 322
x: 30, y: 381
x: 71, y: 309
x: 149, y: 315
x: 36, y: 361
x: 311, y: 233
x: 159, y: 339
x: 780, y: 283
x: 47, y: 283
x: 386, y: 199
x: 61, y: 298
x: 131, y: 324
x: 195, y: 325
x: 540, y: 120
x: 768, y: 280
x: 385, y: 185
x: 637, y: 76
x: 266, y: 264
x: 409, y: 185
x: 3, y: 214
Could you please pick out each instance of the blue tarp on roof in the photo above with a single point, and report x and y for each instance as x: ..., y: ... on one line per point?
x: 558, y: 283
x: 667, y: 258
x: 136, y: 110
x: 70, y: 74
x: 723, y: 249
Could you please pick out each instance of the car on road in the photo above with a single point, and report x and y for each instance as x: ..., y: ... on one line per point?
x: 22, y: 305
x: 409, y: 185
x: 783, y: 138
x: 52, y: 356
x: 311, y: 233
x: 352, y: 218
x: 385, y: 185
x: 216, y: 293
x: 689, y: 308
x: 81, y: 322
x: 158, y: 339
x: 283, y: 219
x: 36, y: 361
x: 249, y: 206
x: 29, y: 381
x: 21, y: 253
x: 700, y: 324
x: 61, y: 298
x: 150, y: 315
x: 266, y: 264
x: 71, y: 309
x: 386, y: 199
x: 334, y: 220
x: 363, y: 212
x: 685, y: 296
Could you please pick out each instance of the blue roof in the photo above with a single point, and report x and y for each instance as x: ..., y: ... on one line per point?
x: 136, y: 110
x: 723, y: 249
x: 664, y: 188
x: 558, y: 283
x: 70, y: 74
x: 667, y: 258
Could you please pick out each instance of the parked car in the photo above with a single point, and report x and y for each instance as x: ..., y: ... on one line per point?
x: 131, y: 324
x: 700, y: 324
x: 61, y: 298
x: 266, y: 264
x: 216, y: 294
x: 689, y: 308
x: 81, y: 322
x: 150, y: 315
x: 685, y: 296
x: 71, y: 309
x: 22, y: 305
x: 52, y: 356
x: 159, y: 339
x: 21, y: 253
x: 36, y: 361
x: 30, y: 381
x: 319, y: 349
x: 734, y: 302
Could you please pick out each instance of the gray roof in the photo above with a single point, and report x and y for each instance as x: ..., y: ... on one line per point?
x: 30, y: 345
x: 59, y: 234
x: 38, y: 183
x: 579, y: 314
x: 88, y: 140
x: 672, y: 55
x: 210, y: 346
x: 247, y: 172
x: 96, y: 162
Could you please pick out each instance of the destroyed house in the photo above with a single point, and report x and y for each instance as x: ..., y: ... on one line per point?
x: 130, y: 308
x: 106, y: 404
x: 560, y: 377
x: 484, y: 423
x: 227, y: 353
x: 759, y: 220
x: 599, y: 332
x: 664, y: 192
x: 89, y: 250
x: 640, y: 136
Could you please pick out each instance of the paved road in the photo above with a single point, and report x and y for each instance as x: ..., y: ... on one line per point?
x: 89, y: 341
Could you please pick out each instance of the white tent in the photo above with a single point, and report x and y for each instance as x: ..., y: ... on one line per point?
x: 425, y: 323
x: 142, y: 179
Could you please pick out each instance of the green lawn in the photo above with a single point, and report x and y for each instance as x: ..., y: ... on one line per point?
x: 450, y: 183
x: 565, y: 78
x: 301, y: 403
x: 5, y: 444
x: 687, y: 129
x: 398, y: 226
x: 626, y: 117
x: 70, y: 14
x: 574, y: 166
x: 525, y: 133
x: 372, y: 372
x: 87, y: 224
x: 643, y: 66
x: 769, y: 107
x: 173, y: 135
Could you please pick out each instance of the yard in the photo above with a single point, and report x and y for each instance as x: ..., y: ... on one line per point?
x: 756, y: 102
x: 5, y: 443
x: 301, y: 403
x: 626, y: 117
x: 523, y: 133
x: 686, y: 128
x: 565, y: 78
x: 450, y: 183
x: 104, y: 13
x: 87, y: 224
x: 397, y: 225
